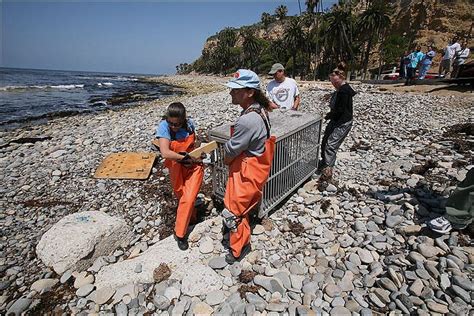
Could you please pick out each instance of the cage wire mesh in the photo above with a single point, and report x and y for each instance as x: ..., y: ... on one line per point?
x: 294, y: 161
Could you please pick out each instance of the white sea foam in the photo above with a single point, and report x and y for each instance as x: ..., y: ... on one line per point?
x: 67, y: 86
x: 107, y: 84
x: 119, y: 78
x: 62, y: 87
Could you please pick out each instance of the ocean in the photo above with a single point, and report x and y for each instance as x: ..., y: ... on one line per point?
x: 33, y: 96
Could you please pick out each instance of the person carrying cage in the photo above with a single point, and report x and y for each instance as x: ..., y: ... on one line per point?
x: 249, y: 154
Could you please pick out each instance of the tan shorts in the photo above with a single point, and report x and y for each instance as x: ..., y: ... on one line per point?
x: 445, y: 65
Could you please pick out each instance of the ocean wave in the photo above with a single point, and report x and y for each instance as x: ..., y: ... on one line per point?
x: 119, y: 78
x: 99, y: 104
x: 107, y: 84
x: 67, y: 86
x: 36, y: 87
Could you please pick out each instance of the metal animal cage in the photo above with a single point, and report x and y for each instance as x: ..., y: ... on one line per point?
x: 295, y: 159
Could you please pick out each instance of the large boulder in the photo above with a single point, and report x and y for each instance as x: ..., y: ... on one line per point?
x: 183, y: 265
x: 78, y: 239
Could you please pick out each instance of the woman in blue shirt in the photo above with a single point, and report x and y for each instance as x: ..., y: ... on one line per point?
x: 426, y: 63
x: 176, y: 137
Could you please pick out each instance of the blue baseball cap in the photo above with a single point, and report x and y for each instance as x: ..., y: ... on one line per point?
x: 244, y: 78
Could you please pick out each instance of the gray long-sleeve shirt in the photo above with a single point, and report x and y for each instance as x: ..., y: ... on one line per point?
x: 249, y: 135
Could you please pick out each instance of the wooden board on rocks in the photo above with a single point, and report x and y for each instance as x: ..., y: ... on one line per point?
x: 132, y: 165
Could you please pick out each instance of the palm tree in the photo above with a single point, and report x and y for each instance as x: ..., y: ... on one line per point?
x: 220, y: 59
x: 281, y: 12
x: 338, y: 33
x: 266, y: 19
x: 251, y: 46
x: 311, y: 5
x: 294, y: 39
x: 278, y: 51
x: 228, y: 37
x: 372, y: 24
x: 312, y: 10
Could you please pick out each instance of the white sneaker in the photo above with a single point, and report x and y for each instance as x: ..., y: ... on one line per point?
x: 440, y: 225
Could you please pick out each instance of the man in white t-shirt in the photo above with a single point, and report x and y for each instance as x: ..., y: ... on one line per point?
x: 283, y: 91
x: 460, y: 59
x: 449, y: 53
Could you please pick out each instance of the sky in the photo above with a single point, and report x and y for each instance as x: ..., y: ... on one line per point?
x: 146, y: 37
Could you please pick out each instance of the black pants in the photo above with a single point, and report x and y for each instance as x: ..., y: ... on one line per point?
x: 334, y: 135
x: 411, y: 73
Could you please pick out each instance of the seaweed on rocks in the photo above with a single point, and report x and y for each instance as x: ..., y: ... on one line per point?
x: 26, y: 140
x: 459, y: 163
x: 162, y: 193
x: 456, y: 129
x: 423, y: 169
x: 47, y: 203
x: 325, y: 204
x: 247, y: 289
x: 360, y: 146
x: 385, y: 182
x: 267, y: 224
x: 49, y: 303
x: 247, y: 276
x: 461, y: 137
x: 161, y: 273
x: 296, y: 227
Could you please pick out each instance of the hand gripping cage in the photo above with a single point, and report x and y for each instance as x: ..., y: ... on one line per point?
x: 295, y: 159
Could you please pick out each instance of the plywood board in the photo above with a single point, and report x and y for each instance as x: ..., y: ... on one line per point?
x: 126, y: 166
x: 205, y: 148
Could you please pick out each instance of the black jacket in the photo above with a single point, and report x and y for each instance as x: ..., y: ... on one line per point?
x: 341, y: 108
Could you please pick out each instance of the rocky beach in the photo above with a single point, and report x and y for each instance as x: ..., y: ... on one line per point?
x: 356, y: 246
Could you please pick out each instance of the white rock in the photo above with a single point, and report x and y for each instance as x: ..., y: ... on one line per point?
x: 172, y: 293
x: 83, y: 279
x: 67, y: 243
x: 259, y: 229
x: 215, y: 297
x: 206, y: 246
x: 86, y: 289
x: 200, y: 280
x: 102, y: 295
x: 43, y: 285
x: 202, y: 309
x: 165, y: 251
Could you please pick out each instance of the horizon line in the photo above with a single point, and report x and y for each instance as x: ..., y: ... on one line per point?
x: 91, y: 71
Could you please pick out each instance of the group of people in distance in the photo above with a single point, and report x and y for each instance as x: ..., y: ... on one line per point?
x: 453, y: 56
x: 248, y: 152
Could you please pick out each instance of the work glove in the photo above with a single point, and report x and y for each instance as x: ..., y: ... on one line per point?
x: 189, y: 161
x: 186, y: 161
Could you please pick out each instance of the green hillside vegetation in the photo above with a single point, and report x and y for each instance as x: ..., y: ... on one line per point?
x: 368, y: 35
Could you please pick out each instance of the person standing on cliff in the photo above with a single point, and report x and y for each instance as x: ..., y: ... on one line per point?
x: 282, y: 91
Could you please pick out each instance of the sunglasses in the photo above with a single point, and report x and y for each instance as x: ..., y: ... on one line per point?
x: 174, y: 124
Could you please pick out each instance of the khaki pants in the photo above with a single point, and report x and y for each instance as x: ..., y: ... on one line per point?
x: 445, y: 67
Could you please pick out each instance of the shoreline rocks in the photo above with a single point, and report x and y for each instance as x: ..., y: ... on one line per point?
x: 362, y: 248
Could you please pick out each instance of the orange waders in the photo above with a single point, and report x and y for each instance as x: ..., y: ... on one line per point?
x: 247, y: 176
x: 186, y: 182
